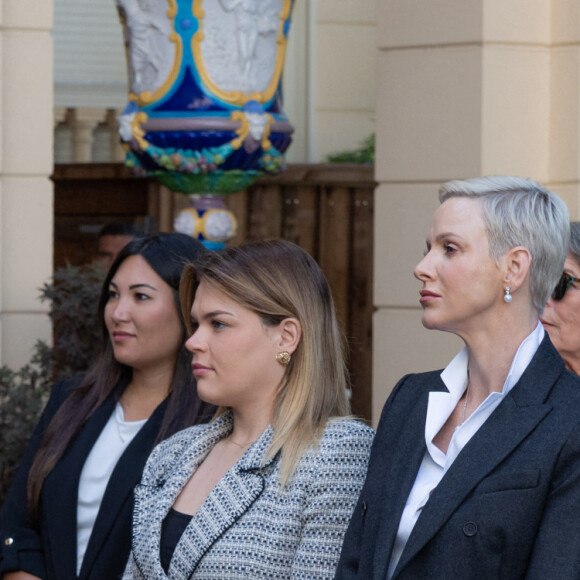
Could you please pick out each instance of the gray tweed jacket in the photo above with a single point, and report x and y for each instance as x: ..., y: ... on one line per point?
x: 249, y: 527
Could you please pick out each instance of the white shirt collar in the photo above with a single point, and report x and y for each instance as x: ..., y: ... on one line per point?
x: 455, y: 373
x: 441, y: 404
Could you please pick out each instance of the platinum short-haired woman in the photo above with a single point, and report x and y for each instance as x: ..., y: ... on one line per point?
x: 475, y: 470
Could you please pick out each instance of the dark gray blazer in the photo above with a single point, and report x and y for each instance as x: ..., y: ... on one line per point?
x: 509, y: 506
x: 47, y: 548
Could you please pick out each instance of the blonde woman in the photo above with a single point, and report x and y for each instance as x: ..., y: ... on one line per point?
x: 267, y: 489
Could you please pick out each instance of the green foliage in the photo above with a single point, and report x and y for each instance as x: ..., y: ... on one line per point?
x: 23, y: 394
x: 364, y: 155
x: 74, y: 296
x: 221, y: 182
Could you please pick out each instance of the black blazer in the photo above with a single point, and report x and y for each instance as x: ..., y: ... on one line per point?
x: 48, y: 548
x: 507, y: 508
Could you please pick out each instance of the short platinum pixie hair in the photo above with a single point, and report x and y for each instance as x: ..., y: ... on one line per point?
x: 521, y: 212
x: 575, y: 241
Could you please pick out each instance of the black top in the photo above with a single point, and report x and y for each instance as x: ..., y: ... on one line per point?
x: 173, y: 527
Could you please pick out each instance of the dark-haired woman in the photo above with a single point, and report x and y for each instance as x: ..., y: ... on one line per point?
x: 68, y: 514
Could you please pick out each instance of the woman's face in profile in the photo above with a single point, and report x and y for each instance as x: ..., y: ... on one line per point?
x: 234, y: 353
x: 141, y: 317
x: 462, y: 285
x: 561, y: 318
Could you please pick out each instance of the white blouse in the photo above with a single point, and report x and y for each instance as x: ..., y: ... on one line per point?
x: 100, y: 463
x: 441, y: 404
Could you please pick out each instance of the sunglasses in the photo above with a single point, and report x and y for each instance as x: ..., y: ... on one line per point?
x: 562, y: 286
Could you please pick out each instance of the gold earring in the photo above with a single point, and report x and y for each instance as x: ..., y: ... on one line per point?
x: 284, y: 358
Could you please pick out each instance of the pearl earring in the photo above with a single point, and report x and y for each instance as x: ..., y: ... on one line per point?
x: 507, y: 297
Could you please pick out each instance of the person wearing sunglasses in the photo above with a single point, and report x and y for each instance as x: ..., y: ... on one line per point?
x: 475, y: 470
x: 561, y: 317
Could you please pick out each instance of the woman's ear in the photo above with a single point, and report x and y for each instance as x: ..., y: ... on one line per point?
x: 290, y: 333
x: 517, y: 261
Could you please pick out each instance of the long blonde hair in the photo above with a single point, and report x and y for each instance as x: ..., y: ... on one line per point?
x: 278, y: 280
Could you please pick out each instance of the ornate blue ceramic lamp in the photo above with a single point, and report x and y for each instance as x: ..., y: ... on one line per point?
x: 205, y: 110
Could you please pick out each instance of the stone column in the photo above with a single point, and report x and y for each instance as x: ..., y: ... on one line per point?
x: 62, y: 146
x: 84, y: 123
x: 26, y: 193
x: 463, y: 90
x: 117, y: 151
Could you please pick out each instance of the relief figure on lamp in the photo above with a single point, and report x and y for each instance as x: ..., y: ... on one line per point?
x: 239, y: 43
x: 151, y: 52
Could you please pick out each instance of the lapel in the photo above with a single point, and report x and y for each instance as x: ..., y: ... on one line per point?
x: 60, y: 493
x: 125, y: 477
x: 401, y: 449
x: 235, y: 492
x: 232, y: 497
x: 516, y: 416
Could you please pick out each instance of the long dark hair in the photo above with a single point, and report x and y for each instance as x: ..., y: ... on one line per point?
x: 167, y: 254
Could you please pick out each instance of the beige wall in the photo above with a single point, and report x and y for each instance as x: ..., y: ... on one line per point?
x: 296, y: 83
x: 465, y: 88
x: 25, y: 165
x: 344, y: 74
x: 564, y: 137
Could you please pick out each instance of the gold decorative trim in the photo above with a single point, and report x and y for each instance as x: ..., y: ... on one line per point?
x: 146, y: 97
x: 239, y: 97
x: 137, y: 131
x: 266, y: 143
x: 244, y: 130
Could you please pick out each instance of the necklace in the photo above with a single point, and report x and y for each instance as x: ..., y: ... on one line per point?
x: 465, y: 403
x: 240, y: 445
